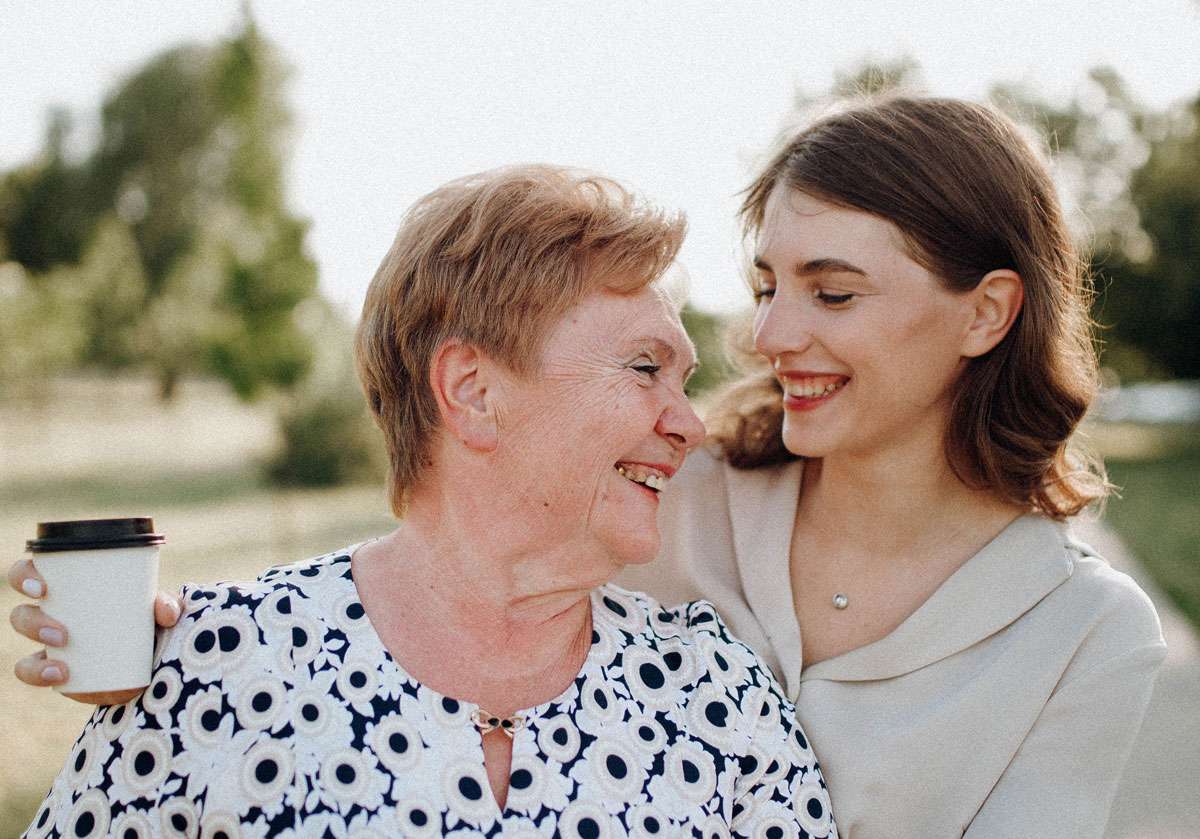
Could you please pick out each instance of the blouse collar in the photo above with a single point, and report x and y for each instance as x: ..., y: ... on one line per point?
x: 1020, y: 566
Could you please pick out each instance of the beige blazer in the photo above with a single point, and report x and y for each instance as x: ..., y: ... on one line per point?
x: 1005, y: 706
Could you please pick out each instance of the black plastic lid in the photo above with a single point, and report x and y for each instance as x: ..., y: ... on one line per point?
x: 91, y: 534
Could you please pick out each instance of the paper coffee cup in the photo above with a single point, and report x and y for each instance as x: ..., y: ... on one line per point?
x: 101, y: 577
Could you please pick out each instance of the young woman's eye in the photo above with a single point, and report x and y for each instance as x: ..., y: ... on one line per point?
x: 763, y: 292
x: 830, y: 299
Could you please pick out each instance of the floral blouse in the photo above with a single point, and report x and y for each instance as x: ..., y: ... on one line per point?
x: 275, y: 710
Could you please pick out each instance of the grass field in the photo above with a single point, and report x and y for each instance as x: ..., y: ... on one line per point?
x: 96, y: 449
x: 100, y: 448
x: 1158, y: 511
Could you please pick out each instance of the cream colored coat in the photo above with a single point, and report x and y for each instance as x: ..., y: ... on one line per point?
x: 1005, y: 706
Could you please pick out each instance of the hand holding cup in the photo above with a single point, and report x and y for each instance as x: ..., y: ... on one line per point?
x: 118, y: 565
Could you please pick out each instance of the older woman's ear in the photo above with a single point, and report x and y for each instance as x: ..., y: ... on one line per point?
x: 997, y: 301
x: 459, y: 378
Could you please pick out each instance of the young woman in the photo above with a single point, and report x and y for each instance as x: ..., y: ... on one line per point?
x: 881, y: 511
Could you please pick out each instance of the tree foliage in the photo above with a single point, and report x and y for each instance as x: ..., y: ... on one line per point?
x: 1131, y: 177
x: 174, y: 228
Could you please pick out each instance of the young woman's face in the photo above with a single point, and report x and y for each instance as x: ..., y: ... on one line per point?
x: 865, y: 341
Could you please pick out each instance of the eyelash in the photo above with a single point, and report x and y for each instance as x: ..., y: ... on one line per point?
x: 827, y: 299
x: 834, y: 299
x: 650, y: 370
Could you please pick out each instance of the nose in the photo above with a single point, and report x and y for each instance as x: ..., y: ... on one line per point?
x: 780, y: 327
x: 679, y: 424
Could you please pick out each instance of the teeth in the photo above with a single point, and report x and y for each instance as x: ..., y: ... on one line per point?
x: 811, y: 388
x: 653, y: 480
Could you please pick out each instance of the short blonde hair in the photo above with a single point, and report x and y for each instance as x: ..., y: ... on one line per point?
x: 493, y: 259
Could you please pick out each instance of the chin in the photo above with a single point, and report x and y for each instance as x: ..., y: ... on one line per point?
x: 636, y: 552
x: 804, y: 445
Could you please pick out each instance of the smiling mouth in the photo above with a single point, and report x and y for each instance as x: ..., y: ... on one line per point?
x: 644, y: 476
x: 810, y: 391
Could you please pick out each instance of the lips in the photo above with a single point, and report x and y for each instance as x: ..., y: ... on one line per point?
x: 805, y: 390
x: 653, y: 477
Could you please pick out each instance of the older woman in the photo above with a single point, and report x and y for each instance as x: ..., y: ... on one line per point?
x: 474, y: 672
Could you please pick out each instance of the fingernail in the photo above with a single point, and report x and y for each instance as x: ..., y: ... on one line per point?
x: 52, y: 674
x: 50, y: 635
x: 31, y: 587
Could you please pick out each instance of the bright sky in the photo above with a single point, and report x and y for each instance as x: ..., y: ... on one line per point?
x: 676, y: 98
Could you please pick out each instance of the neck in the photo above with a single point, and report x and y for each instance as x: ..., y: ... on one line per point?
x: 473, y: 609
x: 887, y: 503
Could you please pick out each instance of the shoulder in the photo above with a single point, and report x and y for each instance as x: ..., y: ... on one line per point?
x: 646, y: 619
x: 222, y: 622
x: 1110, y: 606
x: 683, y: 646
x: 305, y: 578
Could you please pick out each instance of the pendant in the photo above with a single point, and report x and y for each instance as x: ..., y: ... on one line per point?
x: 840, y: 601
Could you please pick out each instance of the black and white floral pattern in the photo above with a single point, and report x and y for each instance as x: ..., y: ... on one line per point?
x: 274, y: 710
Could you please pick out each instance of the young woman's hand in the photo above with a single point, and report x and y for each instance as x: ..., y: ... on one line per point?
x: 40, y: 669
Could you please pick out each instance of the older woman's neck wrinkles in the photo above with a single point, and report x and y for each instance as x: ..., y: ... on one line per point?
x: 470, y: 618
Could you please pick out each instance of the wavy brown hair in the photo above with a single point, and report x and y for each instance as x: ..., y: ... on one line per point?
x: 970, y: 196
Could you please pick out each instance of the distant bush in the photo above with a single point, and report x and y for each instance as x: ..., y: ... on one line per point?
x: 327, y: 440
x: 327, y: 435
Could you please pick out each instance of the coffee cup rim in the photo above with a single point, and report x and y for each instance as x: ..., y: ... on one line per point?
x: 94, y: 534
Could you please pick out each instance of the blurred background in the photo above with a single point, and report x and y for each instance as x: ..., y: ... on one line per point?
x: 194, y: 196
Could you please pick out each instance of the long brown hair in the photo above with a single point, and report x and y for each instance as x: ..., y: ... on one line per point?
x: 970, y: 196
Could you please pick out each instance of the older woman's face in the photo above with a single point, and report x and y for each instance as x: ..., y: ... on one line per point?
x: 591, y: 438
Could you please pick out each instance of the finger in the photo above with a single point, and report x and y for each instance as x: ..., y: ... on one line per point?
x: 39, y: 671
x: 24, y: 578
x: 167, y: 609
x: 33, y: 623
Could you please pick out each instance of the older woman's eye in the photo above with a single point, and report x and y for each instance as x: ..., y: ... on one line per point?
x: 830, y: 299
x: 649, y: 369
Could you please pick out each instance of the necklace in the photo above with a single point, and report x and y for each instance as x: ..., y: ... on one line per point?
x: 840, y: 601
x: 486, y: 722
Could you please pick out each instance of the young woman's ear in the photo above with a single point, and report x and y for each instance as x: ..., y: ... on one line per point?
x: 997, y: 300
x: 459, y: 376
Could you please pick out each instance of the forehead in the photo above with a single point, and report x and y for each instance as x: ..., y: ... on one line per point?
x: 606, y: 320
x: 797, y: 225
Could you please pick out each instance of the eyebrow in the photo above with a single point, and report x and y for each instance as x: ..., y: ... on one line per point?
x: 825, y: 265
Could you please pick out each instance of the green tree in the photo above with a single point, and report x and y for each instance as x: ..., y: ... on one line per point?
x: 190, y: 163
x: 1131, y: 177
x: 1152, y: 297
x: 44, y: 214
